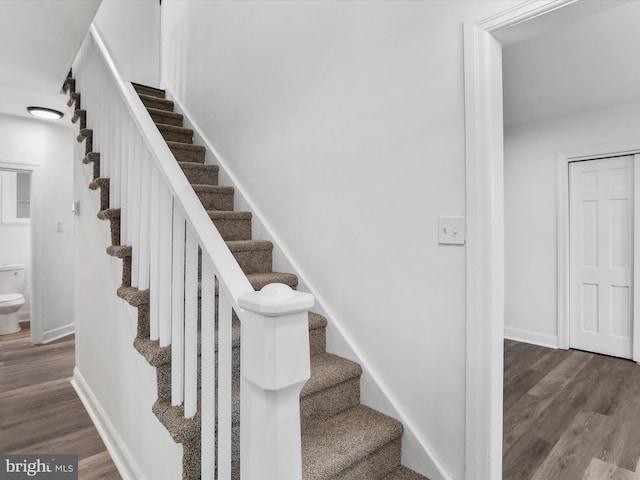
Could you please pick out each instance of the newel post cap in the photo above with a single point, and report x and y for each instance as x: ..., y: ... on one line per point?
x: 275, y: 300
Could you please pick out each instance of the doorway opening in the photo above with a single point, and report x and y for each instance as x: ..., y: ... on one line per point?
x: 485, y: 142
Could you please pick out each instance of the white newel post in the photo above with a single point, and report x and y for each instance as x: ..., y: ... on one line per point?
x: 275, y: 366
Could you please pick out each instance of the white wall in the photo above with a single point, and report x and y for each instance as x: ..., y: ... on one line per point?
x: 46, y: 147
x: 530, y: 211
x: 132, y: 33
x: 116, y: 383
x: 343, y: 123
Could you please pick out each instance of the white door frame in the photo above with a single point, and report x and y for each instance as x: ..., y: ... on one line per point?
x: 562, y: 188
x: 485, y: 236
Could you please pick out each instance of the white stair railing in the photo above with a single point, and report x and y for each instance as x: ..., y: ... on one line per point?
x: 166, y: 225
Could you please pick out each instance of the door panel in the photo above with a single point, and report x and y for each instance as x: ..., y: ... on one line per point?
x: 601, y: 246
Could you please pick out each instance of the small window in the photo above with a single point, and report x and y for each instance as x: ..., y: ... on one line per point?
x: 15, y: 192
x: 23, y: 195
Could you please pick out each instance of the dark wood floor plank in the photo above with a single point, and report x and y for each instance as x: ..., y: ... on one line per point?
x: 599, y: 470
x: 525, y: 457
x: 562, y: 374
x: 586, y: 408
x: 519, y: 385
x: 40, y: 412
x: 97, y: 467
x: 519, y: 419
x: 572, y: 453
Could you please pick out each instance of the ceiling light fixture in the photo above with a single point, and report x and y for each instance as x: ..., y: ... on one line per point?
x: 42, y: 112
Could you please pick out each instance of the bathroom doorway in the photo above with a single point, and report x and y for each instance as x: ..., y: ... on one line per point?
x: 15, y: 227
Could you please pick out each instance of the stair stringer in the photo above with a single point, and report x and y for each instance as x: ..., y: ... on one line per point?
x: 416, y: 451
x: 105, y: 330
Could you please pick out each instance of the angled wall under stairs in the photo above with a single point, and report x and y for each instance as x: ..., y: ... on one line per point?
x: 341, y: 438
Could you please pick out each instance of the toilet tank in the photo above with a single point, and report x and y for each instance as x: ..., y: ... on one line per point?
x: 11, y: 278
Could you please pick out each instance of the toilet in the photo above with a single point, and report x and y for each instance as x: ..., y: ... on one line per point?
x: 11, y: 299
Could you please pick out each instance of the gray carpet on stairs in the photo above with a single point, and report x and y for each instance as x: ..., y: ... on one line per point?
x: 341, y: 439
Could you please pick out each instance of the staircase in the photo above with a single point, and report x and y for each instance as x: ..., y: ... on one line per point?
x: 341, y: 438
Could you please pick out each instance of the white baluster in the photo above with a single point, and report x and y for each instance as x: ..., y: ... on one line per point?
x: 136, y: 192
x: 225, y: 369
x: 165, y: 262
x: 191, y: 327
x: 123, y: 158
x: 208, y: 370
x: 145, y: 214
x: 154, y: 250
x: 177, y: 309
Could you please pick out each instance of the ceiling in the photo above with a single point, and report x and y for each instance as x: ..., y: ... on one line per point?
x: 38, y: 42
x: 575, y: 63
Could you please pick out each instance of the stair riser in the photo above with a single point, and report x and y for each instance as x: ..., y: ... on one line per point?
x: 151, y: 103
x: 234, y: 229
x: 254, y: 261
x: 318, y: 340
x: 166, y: 119
x: 375, y: 466
x: 200, y: 176
x: 103, y: 185
x: 216, y: 200
x: 330, y: 401
x: 184, y: 155
x: 172, y: 136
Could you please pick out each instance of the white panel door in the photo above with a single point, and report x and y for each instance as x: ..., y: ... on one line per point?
x: 601, y: 255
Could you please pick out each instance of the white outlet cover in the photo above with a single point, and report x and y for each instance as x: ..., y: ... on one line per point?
x: 451, y: 230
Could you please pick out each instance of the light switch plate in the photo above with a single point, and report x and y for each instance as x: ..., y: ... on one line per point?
x: 451, y: 230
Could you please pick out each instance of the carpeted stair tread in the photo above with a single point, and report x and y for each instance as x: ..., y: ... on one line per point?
x: 316, y: 321
x: 404, y: 473
x: 91, y: 157
x: 253, y: 256
x: 69, y: 85
x: 165, y: 118
x: 215, y: 197
x: 99, y: 182
x: 74, y: 97
x: 181, y: 429
x: 329, y: 370
x: 151, y: 350
x: 187, y: 152
x: 119, y: 251
x: 259, y: 280
x: 80, y: 115
x: 249, y: 245
x: 109, y: 213
x: 232, y: 225
x: 175, y: 134
x: 200, y: 173
x: 84, y: 133
x: 332, y: 447
x: 147, y: 90
x: 134, y: 296
x: 151, y: 101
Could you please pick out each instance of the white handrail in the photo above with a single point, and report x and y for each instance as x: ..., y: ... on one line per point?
x: 165, y: 224
x: 235, y: 282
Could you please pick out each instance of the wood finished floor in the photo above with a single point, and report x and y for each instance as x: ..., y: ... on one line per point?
x: 40, y: 412
x: 569, y: 415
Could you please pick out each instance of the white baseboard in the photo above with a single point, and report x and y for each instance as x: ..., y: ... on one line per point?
x: 122, y: 458
x: 59, y: 332
x: 526, y: 336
